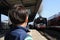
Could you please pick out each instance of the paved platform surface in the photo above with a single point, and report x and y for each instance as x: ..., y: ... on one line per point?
x: 2, y: 38
x: 36, y: 35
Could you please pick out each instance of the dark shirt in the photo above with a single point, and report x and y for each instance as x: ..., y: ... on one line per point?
x: 19, y: 33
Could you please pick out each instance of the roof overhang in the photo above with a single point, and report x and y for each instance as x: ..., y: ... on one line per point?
x: 33, y: 5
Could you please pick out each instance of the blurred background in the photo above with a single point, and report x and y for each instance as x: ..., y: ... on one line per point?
x: 44, y: 17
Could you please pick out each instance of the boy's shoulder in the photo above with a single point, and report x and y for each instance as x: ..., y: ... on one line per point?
x: 18, y: 32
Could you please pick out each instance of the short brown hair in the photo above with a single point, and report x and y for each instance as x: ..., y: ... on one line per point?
x: 18, y: 14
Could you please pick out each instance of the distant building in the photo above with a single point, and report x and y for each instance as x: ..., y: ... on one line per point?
x: 54, y: 20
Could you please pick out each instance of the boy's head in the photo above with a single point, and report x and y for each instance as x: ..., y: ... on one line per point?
x: 18, y: 14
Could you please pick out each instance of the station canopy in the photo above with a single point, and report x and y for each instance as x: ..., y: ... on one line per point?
x: 31, y: 5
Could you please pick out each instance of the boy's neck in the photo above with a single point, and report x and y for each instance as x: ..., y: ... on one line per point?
x: 23, y: 25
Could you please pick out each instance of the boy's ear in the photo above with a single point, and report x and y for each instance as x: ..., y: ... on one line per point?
x: 26, y: 19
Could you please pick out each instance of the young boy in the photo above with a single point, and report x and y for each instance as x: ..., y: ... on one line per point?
x: 19, y: 17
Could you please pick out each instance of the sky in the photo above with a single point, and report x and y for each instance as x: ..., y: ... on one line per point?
x: 50, y: 7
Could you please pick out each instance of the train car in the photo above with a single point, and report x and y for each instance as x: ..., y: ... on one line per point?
x: 54, y: 21
x: 40, y: 23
